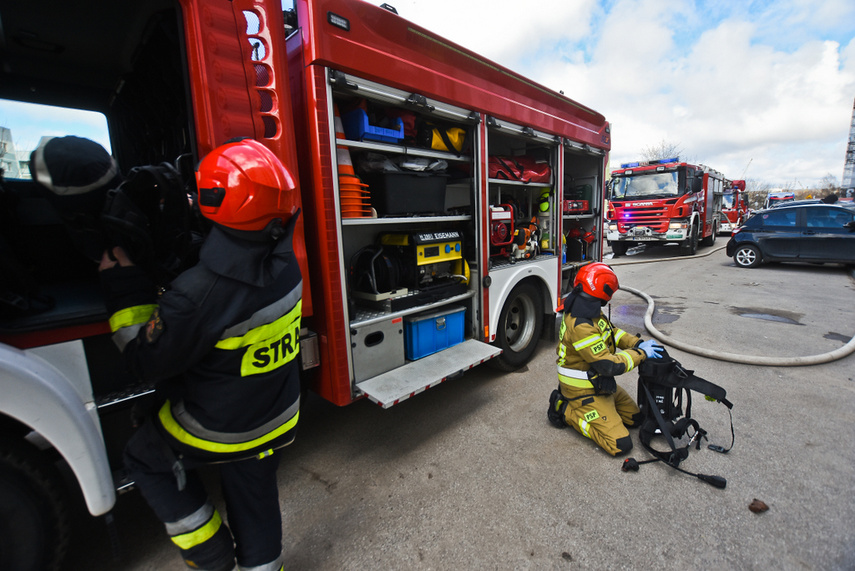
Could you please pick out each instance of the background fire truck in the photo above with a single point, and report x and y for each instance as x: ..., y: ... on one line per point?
x: 734, y: 207
x: 447, y: 205
x: 774, y: 199
x: 664, y: 201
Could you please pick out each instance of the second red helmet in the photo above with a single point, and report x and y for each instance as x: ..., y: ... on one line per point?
x: 597, y: 280
x: 243, y: 185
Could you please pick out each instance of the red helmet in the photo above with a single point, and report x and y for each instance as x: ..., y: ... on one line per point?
x: 243, y: 185
x: 597, y: 280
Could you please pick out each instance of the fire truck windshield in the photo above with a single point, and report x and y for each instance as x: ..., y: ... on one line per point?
x: 727, y: 200
x: 653, y: 185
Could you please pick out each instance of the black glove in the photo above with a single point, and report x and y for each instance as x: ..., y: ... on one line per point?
x: 603, y: 385
x: 126, y: 286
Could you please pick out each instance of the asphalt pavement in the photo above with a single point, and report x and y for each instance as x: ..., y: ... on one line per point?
x: 470, y: 475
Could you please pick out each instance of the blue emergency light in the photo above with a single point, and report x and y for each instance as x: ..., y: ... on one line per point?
x: 647, y: 163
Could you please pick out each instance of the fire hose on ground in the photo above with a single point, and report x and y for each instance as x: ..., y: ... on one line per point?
x: 838, y: 353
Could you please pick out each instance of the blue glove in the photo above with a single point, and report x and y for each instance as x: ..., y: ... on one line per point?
x: 650, y: 348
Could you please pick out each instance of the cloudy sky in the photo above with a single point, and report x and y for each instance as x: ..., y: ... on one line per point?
x: 729, y: 81
x: 763, y: 89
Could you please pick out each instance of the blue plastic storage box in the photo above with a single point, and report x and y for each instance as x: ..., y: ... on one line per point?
x: 356, y: 128
x: 429, y: 333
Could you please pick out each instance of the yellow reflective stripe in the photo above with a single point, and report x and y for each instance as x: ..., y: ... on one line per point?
x: 583, y: 427
x: 620, y: 333
x: 630, y: 365
x: 133, y: 315
x: 272, y: 353
x: 576, y: 383
x: 199, y: 536
x: 177, y: 431
x: 263, y: 332
x: 587, y: 341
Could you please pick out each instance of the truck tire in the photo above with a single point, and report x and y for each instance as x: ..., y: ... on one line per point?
x: 690, y: 246
x: 519, y: 329
x: 34, y: 529
x: 619, y: 248
x: 710, y: 240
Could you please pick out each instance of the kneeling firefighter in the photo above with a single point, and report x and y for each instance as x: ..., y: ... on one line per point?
x: 222, y: 344
x: 591, y: 353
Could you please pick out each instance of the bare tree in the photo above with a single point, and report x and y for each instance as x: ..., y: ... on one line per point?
x: 756, y: 191
x: 829, y: 183
x: 661, y: 150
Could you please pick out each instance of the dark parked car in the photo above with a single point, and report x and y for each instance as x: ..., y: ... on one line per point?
x: 817, y: 233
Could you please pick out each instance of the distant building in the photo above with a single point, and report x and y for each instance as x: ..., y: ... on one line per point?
x: 849, y: 164
x: 8, y: 156
x: 15, y: 163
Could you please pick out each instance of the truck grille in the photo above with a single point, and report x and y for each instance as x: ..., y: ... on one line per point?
x: 654, y: 217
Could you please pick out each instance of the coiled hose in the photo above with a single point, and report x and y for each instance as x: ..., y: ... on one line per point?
x: 765, y: 361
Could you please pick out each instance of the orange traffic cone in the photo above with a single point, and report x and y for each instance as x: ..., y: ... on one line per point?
x: 345, y: 165
x: 352, y: 193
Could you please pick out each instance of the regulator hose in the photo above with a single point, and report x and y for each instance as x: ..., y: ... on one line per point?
x: 765, y: 361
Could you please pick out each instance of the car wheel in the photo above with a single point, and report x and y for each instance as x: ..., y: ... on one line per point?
x: 747, y: 256
x: 519, y: 328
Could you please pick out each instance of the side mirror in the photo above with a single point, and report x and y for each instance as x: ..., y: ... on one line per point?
x: 698, y: 183
x: 850, y: 225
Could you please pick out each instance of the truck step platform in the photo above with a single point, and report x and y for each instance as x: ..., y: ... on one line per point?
x: 399, y: 384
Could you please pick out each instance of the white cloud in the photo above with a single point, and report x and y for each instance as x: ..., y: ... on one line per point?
x: 500, y: 31
x: 717, y: 86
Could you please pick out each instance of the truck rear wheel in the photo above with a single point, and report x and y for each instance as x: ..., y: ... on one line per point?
x: 519, y: 328
x: 710, y: 240
x: 34, y: 530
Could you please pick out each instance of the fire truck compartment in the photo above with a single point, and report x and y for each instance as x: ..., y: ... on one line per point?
x: 377, y: 348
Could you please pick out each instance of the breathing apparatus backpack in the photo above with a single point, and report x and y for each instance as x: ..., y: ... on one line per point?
x: 151, y: 217
x: 664, y: 386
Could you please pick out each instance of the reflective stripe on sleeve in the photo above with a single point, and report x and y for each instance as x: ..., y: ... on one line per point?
x: 126, y: 323
x: 587, y: 341
x: 134, y: 315
x: 630, y: 365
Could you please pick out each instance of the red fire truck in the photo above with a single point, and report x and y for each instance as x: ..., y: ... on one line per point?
x: 664, y: 201
x: 447, y: 204
x: 734, y: 207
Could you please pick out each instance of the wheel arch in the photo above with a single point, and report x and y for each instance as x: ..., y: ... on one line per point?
x: 40, y: 397
x: 534, y: 275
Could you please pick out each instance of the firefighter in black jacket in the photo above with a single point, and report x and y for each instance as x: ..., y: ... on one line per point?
x: 591, y: 352
x: 222, y: 343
